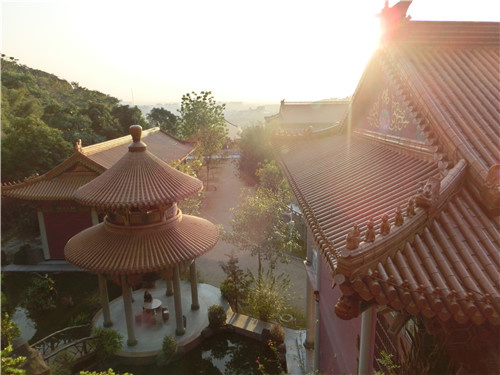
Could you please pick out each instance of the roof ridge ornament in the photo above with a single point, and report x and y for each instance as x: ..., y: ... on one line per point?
x: 137, y: 145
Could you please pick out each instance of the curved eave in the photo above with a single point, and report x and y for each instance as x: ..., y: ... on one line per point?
x: 104, y: 249
x: 56, y: 184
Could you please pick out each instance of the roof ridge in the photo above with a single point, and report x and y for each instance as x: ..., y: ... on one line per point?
x: 92, y: 149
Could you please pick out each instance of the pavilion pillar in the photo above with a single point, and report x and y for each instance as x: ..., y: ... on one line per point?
x: 43, y: 234
x: 94, y: 216
x: 127, y: 303
x: 368, y: 322
x: 179, y: 319
x: 170, y: 288
x: 309, y: 341
x: 103, y: 289
x: 310, y: 318
x: 317, y: 315
x: 195, y: 304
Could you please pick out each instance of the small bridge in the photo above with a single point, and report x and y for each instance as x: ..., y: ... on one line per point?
x: 76, y: 340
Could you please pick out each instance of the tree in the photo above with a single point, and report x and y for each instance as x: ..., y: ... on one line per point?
x: 127, y: 116
x: 202, y: 121
x: 10, y: 365
x: 163, y: 118
x: 255, y: 148
x: 234, y: 287
x: 9, y: 331
x: 258, y: 226
x: 271, y: 178
x: 30, y: 146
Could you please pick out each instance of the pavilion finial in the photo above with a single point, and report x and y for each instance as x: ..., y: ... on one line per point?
x: 137, y: 144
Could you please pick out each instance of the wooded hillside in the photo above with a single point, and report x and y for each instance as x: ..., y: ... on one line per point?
x: 43, y: 116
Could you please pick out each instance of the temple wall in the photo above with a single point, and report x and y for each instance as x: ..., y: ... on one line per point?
x: 338, y: 338
x: 61, y: 226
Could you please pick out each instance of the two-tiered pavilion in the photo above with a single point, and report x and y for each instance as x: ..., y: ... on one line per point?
x: 143, y: 231
x: 59, y: 216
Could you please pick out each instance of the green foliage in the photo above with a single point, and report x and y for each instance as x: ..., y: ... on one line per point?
x: 169, y: 347
x: 271, y: 178
x: 191, y: 205
x: 426, y: 356
x: 40, y: 296
x: 234, y: 287
x: 216, y: 316
x: 163, y: 118
x: 108, y: 343
x: 62, y: 363
x: 268, y: 297
x: 109, y: 372
x: 255, y: 148
x: 202, y: 121
x: 30, y: 146
x: 258, y: 226
x: 10, y: 365
x: 127, y: 116
x: 9, y: 331
x: 277, y: 334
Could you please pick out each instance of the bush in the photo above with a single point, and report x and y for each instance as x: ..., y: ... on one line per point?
x: 108, y: 342
x: 216, y: 316
x: 9, y: 330
x: 62, y: 363
x: 40, y: 296
x: 169, y: 347
x: 277, y: 334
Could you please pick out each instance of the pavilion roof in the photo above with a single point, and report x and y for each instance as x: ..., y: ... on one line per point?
x: 318, y: 114
x: 139, y: 179
x: 61, y: 182
x: 443, y: 261
x: 118, y: 250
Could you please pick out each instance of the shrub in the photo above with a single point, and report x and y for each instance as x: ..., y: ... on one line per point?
x: 277, y: 334
x: 169, y: 347
x: 268, y: 298
x: 108, y: 342
x: 62, y: 363
x: 216, y: 316
x: 40, y: 296
x: 9, y: 330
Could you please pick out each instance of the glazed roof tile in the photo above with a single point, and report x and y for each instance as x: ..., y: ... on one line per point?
x: 111, y: 249
x: 322, y: 113
x: 160, y: 143
x: 339, y: 181
x: 138, y: 179
x: 62, y: 181
x: 451, y: 269
x: 450, y: 70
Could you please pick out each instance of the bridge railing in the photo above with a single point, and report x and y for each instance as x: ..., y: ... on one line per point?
x: 63, y: 337
x: 77, y: 349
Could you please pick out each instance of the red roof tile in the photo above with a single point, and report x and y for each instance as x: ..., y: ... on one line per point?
x: 322, y: 114
x: 113, y: 249
x: 138, y: 179
x: 339, y: 181
x: 61, y: 182
x: 160, y: 143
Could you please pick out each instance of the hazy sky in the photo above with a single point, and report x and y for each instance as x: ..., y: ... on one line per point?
x: 240, y: 50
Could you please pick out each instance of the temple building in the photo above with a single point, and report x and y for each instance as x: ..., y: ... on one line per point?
x: 143, y: 230
x: 59, y: 216
x: 302, y: 115
x: 402, y: 199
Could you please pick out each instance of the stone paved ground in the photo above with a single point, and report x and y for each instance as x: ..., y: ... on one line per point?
x: 216, y: 208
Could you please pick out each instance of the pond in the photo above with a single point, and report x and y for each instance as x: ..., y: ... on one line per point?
x: 224, y: 353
